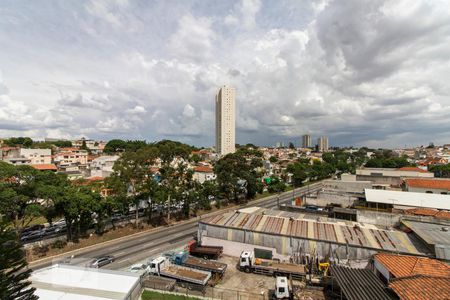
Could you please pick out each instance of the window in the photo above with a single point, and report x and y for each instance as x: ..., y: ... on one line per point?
x: 429, y: 192
x: 243, y: 259
x: 444, y: 193
x: 281, y: 290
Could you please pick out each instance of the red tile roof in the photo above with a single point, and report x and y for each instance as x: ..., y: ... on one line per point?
x: 42, y: 167
x: 443, y: 184
x: 405, y: 265
x: 443, y: 214
x: 422, y: 211
x: 95, y: 178
x: 203, y: 169
x: 421, y: 287
x: 413, y: 169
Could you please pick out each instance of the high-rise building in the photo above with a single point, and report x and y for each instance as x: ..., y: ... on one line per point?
x: 322, y: 143
x: 225, y: 120
x: 306, y: 141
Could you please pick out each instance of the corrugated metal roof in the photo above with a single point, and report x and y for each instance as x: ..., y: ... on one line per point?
x: 352, y: 233
x: 360, y: 284
x: 431, y: 233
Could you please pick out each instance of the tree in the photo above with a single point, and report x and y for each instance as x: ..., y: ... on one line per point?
x: 131, y: 172
x: 291, y: 145
x: 18, y: 199
x: 14, y: 274
x: 114, y: 146
x: 299, y: 174
x: 19, y: 141
x: 235, y: 168
x: 273, y: 159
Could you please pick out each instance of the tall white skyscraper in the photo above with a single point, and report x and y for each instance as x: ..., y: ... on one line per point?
x: 225, y: 120
x: 322, y: 143
x: 306, y: 141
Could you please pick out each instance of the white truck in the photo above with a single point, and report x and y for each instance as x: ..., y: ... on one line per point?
x: 162, y: 267
x: 282, y: 289
x: 248, y: 263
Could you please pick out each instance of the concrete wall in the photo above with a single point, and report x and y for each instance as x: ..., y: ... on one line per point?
x: 347, y: 186
x: 325, y: 198
x: 424, y: 190
x: 378, y: 218
x: 387, y: 172
x: 390, y: 180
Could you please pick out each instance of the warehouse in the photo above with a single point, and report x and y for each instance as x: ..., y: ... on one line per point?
x: 65, y: 282
x: 295, y: 235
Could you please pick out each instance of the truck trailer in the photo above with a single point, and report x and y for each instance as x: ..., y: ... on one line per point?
x: 216, y: 268
x: 207, y: 252
x: 248, y: 263
x: 162, y: 267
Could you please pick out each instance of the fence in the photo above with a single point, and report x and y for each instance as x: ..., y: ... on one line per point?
x: 187, y: 291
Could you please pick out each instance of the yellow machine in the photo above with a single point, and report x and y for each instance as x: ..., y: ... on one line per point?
x: 323, y: 267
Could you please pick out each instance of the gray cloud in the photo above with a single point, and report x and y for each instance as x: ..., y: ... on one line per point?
x: 362, y: 72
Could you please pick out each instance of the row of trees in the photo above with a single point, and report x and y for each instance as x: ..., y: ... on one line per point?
x: 27, y: 142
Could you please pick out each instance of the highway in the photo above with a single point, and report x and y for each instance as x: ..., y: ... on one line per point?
x: 141, y: 246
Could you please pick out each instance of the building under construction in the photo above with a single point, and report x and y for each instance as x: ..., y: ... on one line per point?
x: 292, y: 234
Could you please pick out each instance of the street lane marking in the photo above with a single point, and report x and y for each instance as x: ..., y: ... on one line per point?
x: 120, y: 253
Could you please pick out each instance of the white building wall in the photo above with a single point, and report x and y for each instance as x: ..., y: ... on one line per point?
x: 37, y: 156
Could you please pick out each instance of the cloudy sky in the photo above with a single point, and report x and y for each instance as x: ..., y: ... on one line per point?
x: 373, y: 73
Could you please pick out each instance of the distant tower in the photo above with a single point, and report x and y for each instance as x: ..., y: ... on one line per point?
x: 322, y: 143
x: 306, y: 141
x: 225, y: 120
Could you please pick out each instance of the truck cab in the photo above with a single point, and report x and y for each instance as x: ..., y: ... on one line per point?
x: 282, y: 290
x: 246, y: 261
x: 156, y: 265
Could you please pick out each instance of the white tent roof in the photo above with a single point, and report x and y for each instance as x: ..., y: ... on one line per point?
x: 408, y: 199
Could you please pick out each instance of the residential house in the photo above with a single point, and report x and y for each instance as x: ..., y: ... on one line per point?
x: 37, y: 156
x: 413, y: 277
x: 70, y: 156
x: 427, y: 185
x: 103, y: 166
x: 203, y: 173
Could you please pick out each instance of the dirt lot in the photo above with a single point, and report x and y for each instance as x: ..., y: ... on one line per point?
x: 253, y: 286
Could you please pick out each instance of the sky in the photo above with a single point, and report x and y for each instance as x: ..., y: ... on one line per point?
x: 364, y: 73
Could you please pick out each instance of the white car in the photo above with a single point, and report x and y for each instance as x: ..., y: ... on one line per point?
x: 141, y: 269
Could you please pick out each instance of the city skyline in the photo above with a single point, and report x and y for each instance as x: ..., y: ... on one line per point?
x: 136, y: 70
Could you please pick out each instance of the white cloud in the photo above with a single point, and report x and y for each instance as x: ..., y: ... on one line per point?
x: 372, y: 72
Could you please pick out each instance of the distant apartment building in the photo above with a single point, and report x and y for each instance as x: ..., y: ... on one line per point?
x: 322, y: 143
x: 37, y: 156
x: 96, y: 147
x: 225, y: 120
x: 306, y: 141
x: 103, y: 166
x: 70, y: 156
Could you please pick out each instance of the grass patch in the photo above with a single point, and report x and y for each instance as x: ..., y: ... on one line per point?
x: 152, y: 295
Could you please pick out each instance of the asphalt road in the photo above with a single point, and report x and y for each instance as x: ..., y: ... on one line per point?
x: 139, y: 247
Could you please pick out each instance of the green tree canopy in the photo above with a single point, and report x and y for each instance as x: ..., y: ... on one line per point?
x: 14, y: 274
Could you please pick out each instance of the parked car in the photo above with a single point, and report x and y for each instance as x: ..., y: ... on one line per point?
x: 29, y: 229
x: 32, y: 236
x: 101, y: 261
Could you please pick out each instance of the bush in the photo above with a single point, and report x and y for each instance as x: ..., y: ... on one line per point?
x: 59, y: 244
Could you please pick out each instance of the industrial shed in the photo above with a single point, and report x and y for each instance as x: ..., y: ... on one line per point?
x: 360, y: 284
x: 290, y: 234
x: 66, y: 282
